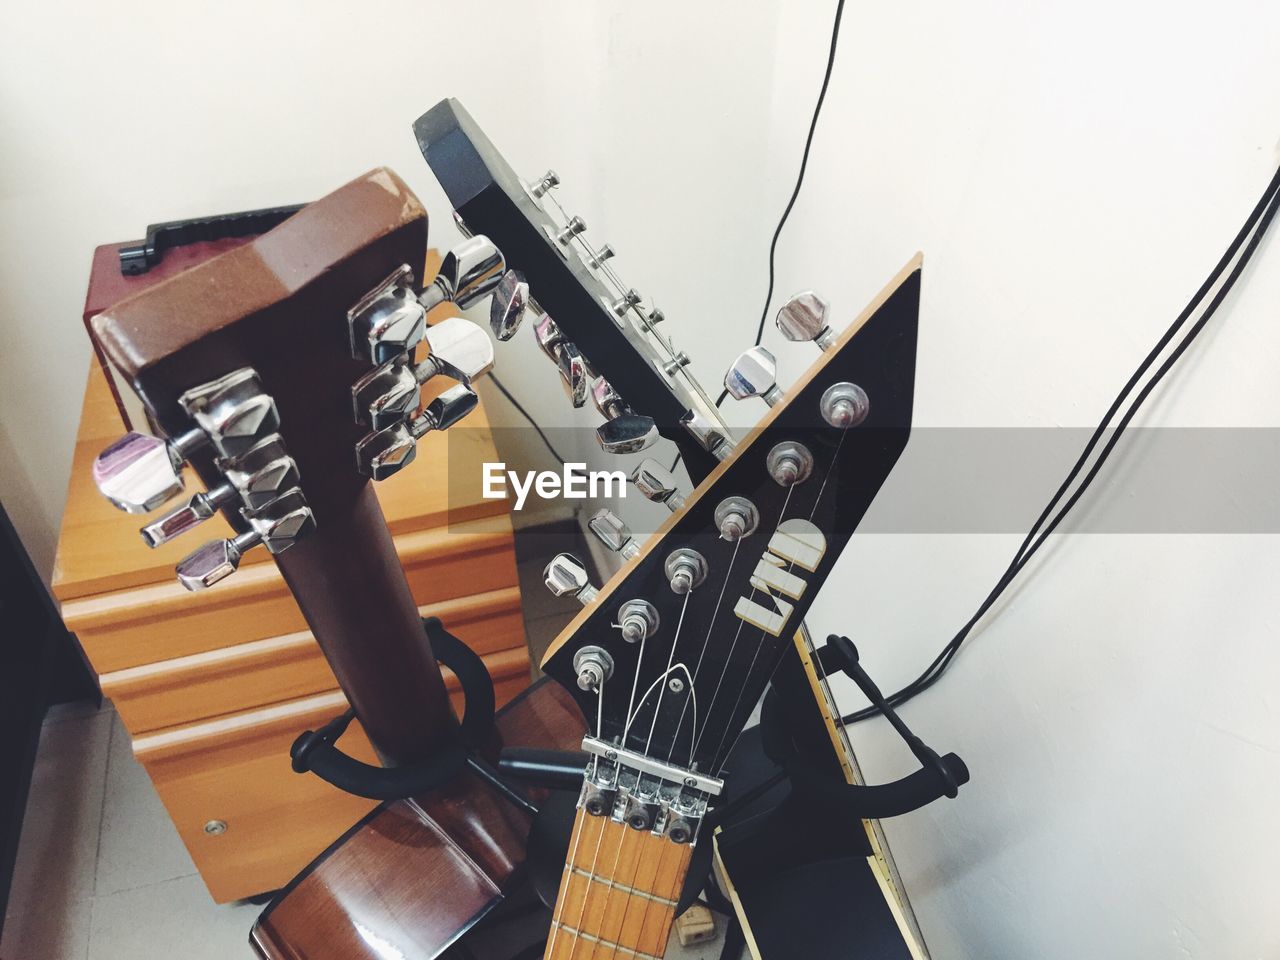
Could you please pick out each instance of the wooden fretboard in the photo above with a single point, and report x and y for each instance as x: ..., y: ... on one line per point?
x: 618, y: 893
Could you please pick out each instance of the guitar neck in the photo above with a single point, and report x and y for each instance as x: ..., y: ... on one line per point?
x: 618, y: 893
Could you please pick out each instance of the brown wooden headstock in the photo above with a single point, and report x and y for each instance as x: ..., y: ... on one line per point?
x: 247, y: 363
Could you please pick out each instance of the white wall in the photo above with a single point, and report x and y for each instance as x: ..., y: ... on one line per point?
x: 1071, y: 172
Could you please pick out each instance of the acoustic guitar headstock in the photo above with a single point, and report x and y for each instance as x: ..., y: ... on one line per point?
x: 669, y: 658
x: 286, y: 372
x: 611, y: 348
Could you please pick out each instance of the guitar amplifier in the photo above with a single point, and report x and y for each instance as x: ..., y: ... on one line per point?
x: 122, y: 269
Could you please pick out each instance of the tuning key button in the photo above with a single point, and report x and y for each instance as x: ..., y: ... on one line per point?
x: 613, y: 533
x: 508, y: 306
x: 804, y: 317
x: 606, y: 399
x: 754, y: 374
x: 256, y: 480
x: 628, y: 433
x: 469, y: 271
x: 638, y: 620
x: 385, y: 452
x: 278, y: 526
x: 388, y: 322
x: 736, y: 518
x: 459, y: 349
x: 139, y: 472
x: 844, y: 405
x: 548, y: 336
x: 573, y: 373
x: 655, y: 482
x: 566, y: 576
x: 685, y: 569
x: 789, y: 463
x: 548, y: 181
x: 386, y: 395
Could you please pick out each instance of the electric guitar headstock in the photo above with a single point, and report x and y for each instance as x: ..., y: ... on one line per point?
x: 289, y: 372
x: 670, y: 657
x: 609, y: 346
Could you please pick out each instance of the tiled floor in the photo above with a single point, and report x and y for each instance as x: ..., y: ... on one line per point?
x: 101, y: 873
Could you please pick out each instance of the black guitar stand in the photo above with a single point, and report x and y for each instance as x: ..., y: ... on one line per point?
x: 317, y: 751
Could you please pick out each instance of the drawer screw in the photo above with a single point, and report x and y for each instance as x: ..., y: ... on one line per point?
x: 215, y: 827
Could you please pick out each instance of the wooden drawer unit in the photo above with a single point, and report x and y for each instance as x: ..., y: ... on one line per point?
x: 214, y: 686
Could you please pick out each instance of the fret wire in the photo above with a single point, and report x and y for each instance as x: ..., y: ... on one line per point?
x: 573, y: 855
x: 617, y: 857
x: 594, y: 858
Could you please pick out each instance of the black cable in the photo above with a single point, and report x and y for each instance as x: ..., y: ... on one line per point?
x: 524, y: 413
x: 804, y: 163
x: 1260, y: 218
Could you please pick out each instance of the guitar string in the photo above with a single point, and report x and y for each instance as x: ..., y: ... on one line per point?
x: 706, y: 643
x: 666, y: 682
x: 646, y: 324
x: 724, y: 669
x: 556, y: 917
x: 816, y: 501
x: 586, y: 893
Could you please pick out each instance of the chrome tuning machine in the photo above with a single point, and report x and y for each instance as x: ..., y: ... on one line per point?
x: 624, y: 431
x: 387, y: 395
x: 469, y: 271
x: 754, y: 374
x: 655, y: 482
x: 509, y: 304
x: 255, y: 479
x: 139, y: 473
x: 276, y: 526
x: 613, y: 533
x: 805, y: 317
x: 381, y: 454
x: 566, y: 576
x: 575, y: 372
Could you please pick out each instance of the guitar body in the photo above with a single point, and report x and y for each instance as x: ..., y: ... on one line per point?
x: 418, y: 874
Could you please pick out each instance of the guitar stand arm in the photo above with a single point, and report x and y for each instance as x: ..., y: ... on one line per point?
x: 317, y: 750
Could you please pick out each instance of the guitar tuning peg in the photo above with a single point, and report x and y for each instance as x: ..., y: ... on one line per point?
x: 566, y: 576
x: 753, y: 374
x: 386, y: 452
x: 624, y: 430
x: 510, y: 301
x: 140, y: 472
x: 804, y: 317
x: 255, y: 479
x: 548, y: 181
x: 278, y: 526
x: 468, y: 272
x: 573, y: 373
x: 624, y: 303
x: 628, y: 433
x: 575, y: 226
x: 391, y: 393
x: 597, y: 259
x: 613, y: 533
x: 389, y: 323
x: 548, y: 336
x: 655, y: 482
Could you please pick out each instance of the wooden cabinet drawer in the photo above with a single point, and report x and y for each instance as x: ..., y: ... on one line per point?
x: 235, y: 770
x: 128, y: 628
x: 261, y: 672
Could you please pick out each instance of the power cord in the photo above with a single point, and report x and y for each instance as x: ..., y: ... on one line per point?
x: 795, y: 192
x: 525, y: 413
x: 1253, y: 231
